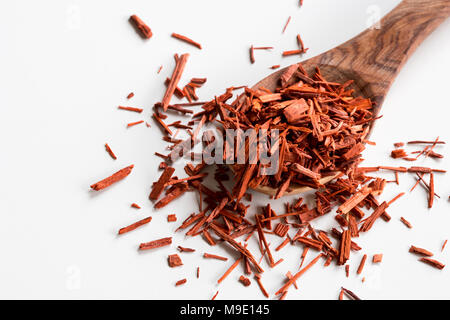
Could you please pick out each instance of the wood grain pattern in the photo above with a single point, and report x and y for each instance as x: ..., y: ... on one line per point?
x: 374, y: 57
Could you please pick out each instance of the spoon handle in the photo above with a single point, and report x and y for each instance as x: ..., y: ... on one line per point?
x: 378, y: 53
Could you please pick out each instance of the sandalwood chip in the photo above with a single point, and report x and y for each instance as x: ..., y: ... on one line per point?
x: 295, y: 111
x: 138, y: 110
x: 344, y: 250
x: 406, y: 222
x: 350, y: 294
x: 281, y: 229
x: 156, y: 244
x: 361, y: 264
x: 143, y: 29
x: 244, y: 280
x: 135, y: 225
x: 180, y: 282
x: 398, y: 153
x: 171, y: 218
x: 433, y: 263
x: 186, y: 39
x: 377, y: 258
x: 158, y: 187
x: 119, y: 175
x: 131, y: 124
x: 421, y: 251
x: 213, y: 256
x: 174, y: 261
x: 263, y: 290
x: 111, y: 153
x: 176, y: 75
x: 183, y: 249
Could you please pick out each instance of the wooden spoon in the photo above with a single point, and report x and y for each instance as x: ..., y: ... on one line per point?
x: 373, y: 58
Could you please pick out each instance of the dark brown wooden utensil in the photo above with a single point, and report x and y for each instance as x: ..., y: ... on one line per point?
x: 374, y: 57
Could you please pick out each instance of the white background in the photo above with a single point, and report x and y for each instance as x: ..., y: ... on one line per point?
x: 65, y: 66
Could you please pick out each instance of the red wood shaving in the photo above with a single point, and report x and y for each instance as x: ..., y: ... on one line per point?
x: 421, y: 251
x: 119, y: 175
x: 143, y: 29
x: 433, y: 263
x: 300, y: 44
x: 424, y: 170
x: 135, y: 205
x: 262, y: 240
x: 275, y: 66
x: 156, y: 244
x: 176, y: 75
x: 111, y: 153
x: 130, y: 95
x: 238, y: 247
x: 298, y: 275
x: 344, y: 250
x: 198, y: 272
x: 135, y: 225
x: 174, y: 261
x: 289, y: 277
x: 368, y: 223
x: 287, y: 22
x: 281, y: 230
x: 183, y: 249
x: 377, y: 258
x: 263, y: 290
x: 158, y: 187
x: 315, y: 244
x: 175, y: 193
x: 213, y: 256
x: 252, y: 54
x: 401, y: 194
x: 354, y: 201
x: 187, y: 40
x: 162, y: 124
x: 180, y: 282
x: 347, y: 270
x: 361, y: 264
x: 231, y: 268
x: 425, y: 142
x: 208, y: 238
x: 303, y: 256
x: 171, y: 218
x: 443, y: 245
x: 244, y: 280
x: 138, y: 110
x: 292, y: 52
x: 215, y: 296
x: 399, y: 169
x: 431, y: 193
x: 283, y: 244
x: 350, y: 294
x: 134, y: 123
x: 406, y: 222
x: 398, y: 153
